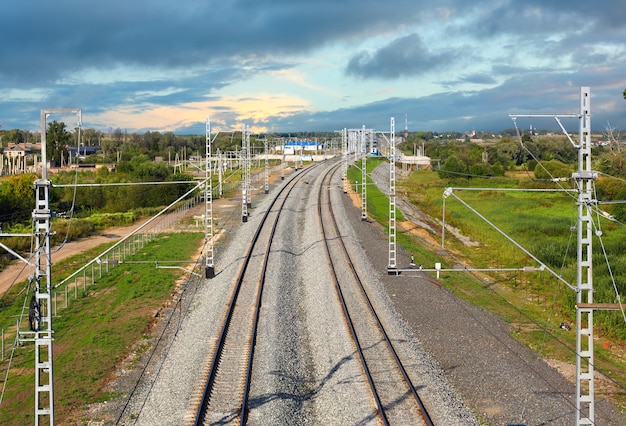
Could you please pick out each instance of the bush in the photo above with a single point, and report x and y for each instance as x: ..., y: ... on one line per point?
x: 71, y: 229
x: 479, y: 169
x: 553, y: 169
x: 105, y: 220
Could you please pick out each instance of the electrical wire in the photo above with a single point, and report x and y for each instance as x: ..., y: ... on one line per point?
x: 598, y: 232
x: 439, y: 169
x: 477, y: 279
x: 557, y: 180
x: 613, y: 177
x: 15, y: 345
x: 596, y: 224
x: 32, y: 254
x: 546, y: 330
x: 539, y: 163
x: 15, y: 278
x: 558, y: 283
x: 69, y: 223
x: 179, y: 302
x: 592, y: 208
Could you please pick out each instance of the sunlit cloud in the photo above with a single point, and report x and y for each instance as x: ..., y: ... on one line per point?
x: 226, y: 114
x: 302, y: 80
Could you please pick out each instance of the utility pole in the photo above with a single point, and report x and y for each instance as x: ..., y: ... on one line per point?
x: 208, y: 206
x: 344, y: 150
x: 363, y: 176
x: 584, y: 178
x: 244, y: 177
x: 392, y: 195
x: 266, y: 186
x: 40, y: 310
x: 248, y: 168
x: 220, y: 162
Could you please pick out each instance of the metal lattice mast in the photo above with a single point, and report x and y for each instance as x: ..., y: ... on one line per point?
x: 267, y: 173
x: 369, y: 141
x: 584, y: 178
x: 244, y: 179
x: 220, y: 163
x: 248, y: 168
x: 208, y: 206
x: 344, y: 150
x: 363, y: 176
x: 44, y: 334
x: 353, y: 144
x: 282, y: 165
x: 40, y: 312
x: 392, y: 194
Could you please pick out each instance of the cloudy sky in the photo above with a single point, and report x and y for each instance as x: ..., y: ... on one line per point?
x: 310, y: 65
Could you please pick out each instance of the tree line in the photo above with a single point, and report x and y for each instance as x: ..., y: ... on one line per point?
x: 542, y: 158
x: 117, y: 144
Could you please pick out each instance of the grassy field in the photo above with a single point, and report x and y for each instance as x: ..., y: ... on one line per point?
x: 534, y: 304
x: 96, y: 331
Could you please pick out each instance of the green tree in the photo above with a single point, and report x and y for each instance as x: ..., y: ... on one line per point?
x: 15, y: 136
x: 17, y: 198
x: 452, y: 168
x: 508, y: 150
x: 117, y: 135
x: 91, y: 137
x: 479, y: 169
x: 57, y: 139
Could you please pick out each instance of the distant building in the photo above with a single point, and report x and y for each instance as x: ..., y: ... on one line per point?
x: 83, y: 151
x: 14, y: 159
x: 294, y: 147
x: 16, y: 151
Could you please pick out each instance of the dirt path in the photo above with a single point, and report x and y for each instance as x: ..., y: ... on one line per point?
x: 19, y: 271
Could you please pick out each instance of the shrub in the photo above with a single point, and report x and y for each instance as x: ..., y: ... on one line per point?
x: 553, y: 169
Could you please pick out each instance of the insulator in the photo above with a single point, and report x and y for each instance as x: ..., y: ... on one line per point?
x: 33, y: 314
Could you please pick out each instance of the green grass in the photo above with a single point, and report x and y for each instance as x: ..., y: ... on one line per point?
x: 96, y: 331
x: 534, y: 304
x: 377, y: 201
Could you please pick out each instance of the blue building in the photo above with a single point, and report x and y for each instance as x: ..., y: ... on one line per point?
x: 294, y: 147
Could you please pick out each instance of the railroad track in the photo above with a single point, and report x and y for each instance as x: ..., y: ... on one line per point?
x: 224, y: 397
x: 397, y: 400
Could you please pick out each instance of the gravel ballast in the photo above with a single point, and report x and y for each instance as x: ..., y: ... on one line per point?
x: 467, y: 367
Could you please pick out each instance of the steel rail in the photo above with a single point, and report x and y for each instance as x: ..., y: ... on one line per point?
x: 370, y: 379
x: 210, y: 381
x: 425, y: 415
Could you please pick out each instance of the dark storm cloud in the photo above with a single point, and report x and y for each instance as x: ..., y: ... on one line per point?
x: 404, y: 56
x: 47, y: 39
x: 573, y: 24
